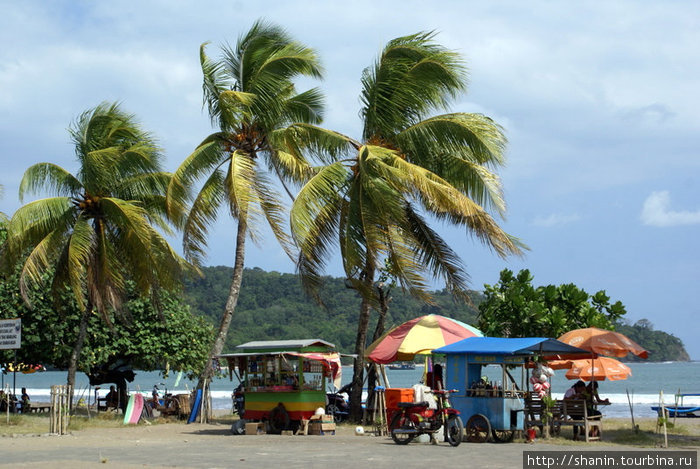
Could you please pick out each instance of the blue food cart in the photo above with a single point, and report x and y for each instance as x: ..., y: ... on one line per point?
x: 495, y: 408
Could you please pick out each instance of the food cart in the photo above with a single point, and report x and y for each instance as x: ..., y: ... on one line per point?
x: 284, y: 381
x: 495, y: 408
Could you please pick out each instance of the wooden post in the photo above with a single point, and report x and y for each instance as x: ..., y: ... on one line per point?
x: 675, y: 412
x: 60, y: 408
x: 661, y: 421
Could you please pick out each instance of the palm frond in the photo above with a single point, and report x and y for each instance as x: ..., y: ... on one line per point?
x: 299, y: 139
x: 200, y: 217
x: 81, y: 247
x: 38, y: 261
x: 274, y: 212
x: 305, y: 107
x: 412, y: 77
x: 240, y: 193
x: 315, y: 205
x: 472, y: 137
x: 436, y: 254
x: 32, y: 223
x: 48, y: 177
x: 205, y: 159
x: 214, y: 83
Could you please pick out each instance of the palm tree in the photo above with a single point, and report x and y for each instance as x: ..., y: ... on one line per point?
x: 264, y: 126
x: 374, y: 203
x: 97, y: 230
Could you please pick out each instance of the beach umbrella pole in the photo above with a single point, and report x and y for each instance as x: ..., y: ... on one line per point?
x: 629, y: 401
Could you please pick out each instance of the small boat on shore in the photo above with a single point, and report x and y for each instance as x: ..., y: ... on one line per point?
x: 402, y: 366
x: 679, y: 410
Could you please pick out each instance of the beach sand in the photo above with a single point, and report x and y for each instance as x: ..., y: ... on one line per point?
x: 213, y: 446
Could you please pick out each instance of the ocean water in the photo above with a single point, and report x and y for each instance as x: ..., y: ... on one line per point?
x: 647, y: 380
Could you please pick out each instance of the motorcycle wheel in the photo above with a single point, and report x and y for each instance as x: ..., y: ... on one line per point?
x: 332, y: 409
x: 454, y: 429
x: 402, y: 421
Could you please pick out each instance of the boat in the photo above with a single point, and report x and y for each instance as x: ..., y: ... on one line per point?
x: 402, y: 366
x: 679, y: 410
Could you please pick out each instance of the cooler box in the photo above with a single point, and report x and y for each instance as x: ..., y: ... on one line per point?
x: 395, y: 395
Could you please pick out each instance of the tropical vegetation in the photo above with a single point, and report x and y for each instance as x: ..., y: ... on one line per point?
x: 144, y: 338
x: 272, y: 306
x: 97, y: 229
x: 376, y: 200
x: 515, y: 308
x: 263, y: 125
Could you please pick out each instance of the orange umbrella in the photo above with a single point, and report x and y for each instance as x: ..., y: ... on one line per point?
x: 603, y: 342
x: 597, y: 369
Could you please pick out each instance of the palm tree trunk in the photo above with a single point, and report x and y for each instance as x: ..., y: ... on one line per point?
x: 230, y: 307
x: 372, y: 378
x: 77, y: 349
x: 360, y: 343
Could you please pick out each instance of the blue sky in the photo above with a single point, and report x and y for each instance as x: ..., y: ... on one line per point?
x: 599, y: 100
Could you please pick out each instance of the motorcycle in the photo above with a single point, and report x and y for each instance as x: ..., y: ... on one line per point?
x: 239, y: 400
x: 415, y: 418
x: 337, y: 406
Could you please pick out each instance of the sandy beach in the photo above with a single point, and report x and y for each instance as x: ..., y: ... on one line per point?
x: 213, y: 446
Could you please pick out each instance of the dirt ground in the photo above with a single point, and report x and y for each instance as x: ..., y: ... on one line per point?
x: 213, y: 446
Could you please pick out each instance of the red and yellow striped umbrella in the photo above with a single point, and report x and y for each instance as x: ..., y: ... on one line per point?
x: 418, y: 336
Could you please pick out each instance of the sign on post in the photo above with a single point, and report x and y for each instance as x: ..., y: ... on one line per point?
x: 10, y: 334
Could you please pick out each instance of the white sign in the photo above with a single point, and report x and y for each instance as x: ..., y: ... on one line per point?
x: 10, y: 334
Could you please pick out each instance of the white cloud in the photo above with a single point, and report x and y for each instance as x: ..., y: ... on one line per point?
x: 555, y: 219
x: 656, y: 212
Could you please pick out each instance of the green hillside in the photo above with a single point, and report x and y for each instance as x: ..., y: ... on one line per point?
x: 272, y: 306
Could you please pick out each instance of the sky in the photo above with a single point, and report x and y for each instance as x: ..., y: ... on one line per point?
x: 599, y: 101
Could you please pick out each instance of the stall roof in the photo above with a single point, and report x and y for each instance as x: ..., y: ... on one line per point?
x: 284, y: 344
x: 511, y: 346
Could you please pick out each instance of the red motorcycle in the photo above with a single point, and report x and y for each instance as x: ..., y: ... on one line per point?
x: 415, y: 418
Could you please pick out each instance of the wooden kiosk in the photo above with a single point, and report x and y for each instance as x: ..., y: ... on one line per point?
x: 284, y: 381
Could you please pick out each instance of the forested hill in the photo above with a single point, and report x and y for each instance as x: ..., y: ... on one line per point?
x: 272, y: 306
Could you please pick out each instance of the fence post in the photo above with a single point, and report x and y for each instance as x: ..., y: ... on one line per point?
x: 60, y: 408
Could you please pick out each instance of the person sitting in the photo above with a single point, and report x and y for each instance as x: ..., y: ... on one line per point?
x: 592, y: 398
x: 592, y: 394
x: 26, y: 405
x: 112, y: 398
x: 575, y: 392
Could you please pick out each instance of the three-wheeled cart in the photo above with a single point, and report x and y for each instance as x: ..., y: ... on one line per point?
x: 284, y: 381
x: 495, y: 407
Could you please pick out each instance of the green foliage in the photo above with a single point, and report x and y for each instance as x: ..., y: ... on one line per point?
x: 272, y: 306
x: 661, y: 345
x: 147, y: 340
x: 515, y: 308
x: 96, y: 228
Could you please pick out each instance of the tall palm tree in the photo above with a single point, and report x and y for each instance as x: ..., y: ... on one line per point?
x: 408, y: 166
x: 98, y: 229
x: 264, y: 126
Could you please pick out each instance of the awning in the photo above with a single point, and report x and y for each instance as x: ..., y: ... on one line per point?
x: 512, y: 346
x: 330, y: 360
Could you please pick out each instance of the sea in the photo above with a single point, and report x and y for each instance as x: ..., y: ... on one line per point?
x: 642, y: 389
